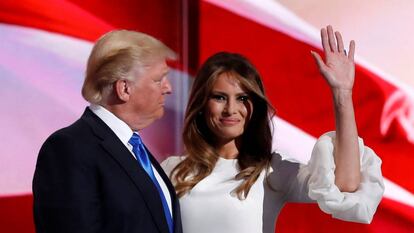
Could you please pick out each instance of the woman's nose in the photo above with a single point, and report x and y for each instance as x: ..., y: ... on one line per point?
x: 230, y: 107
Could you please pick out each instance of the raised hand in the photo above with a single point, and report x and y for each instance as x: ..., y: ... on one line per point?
x: 339, y: 68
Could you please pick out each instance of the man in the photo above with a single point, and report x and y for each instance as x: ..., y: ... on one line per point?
x: 95, y: 175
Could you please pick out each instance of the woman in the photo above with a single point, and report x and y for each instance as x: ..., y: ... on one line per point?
x: 230, y: 181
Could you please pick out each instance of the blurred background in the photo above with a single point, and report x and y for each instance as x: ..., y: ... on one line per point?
x: 44, y: 45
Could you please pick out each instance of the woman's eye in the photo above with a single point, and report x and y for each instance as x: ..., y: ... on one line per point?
x: 218, y: 97
x: 243, y: 98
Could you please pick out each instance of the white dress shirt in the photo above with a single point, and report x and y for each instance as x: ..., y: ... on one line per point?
x: 124, y: 133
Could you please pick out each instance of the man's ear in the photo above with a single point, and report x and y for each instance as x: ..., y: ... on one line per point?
x: 122, y: 89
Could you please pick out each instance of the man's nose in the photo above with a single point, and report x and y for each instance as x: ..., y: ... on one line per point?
x: 167, y: 88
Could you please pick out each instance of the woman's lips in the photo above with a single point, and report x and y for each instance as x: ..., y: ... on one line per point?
x: 229, y: 121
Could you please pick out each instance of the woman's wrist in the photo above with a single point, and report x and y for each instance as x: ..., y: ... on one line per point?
x: 342, y: 97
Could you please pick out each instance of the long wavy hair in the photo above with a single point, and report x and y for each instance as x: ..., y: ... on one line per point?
x: 255, y: 147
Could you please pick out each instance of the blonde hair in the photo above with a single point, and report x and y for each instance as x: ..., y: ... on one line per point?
x: 255, y: 151
x: 113, y: 57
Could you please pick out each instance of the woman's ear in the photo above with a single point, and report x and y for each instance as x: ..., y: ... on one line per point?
x: 122, y: 89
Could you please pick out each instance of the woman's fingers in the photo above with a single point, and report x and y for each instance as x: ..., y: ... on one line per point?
x: 340, y: 43
x: 325, y: 41
x: 319, y: 60
x: 331, y: 38
x: 351, y: 50
x: 333, y: 42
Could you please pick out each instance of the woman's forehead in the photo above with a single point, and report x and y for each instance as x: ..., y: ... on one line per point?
x: 229, y: 80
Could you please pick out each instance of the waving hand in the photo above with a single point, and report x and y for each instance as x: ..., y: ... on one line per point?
x: 338, y: 69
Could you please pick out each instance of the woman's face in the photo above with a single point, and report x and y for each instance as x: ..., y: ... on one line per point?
x: 228, y: 108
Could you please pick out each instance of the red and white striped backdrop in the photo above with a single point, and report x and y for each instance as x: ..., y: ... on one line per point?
x: 43, y: 50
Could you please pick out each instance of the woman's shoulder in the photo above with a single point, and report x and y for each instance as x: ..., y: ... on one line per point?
x: 171, y: 162
x: 283, y: 165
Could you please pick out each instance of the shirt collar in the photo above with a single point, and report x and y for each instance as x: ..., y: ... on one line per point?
x: 119, y: 127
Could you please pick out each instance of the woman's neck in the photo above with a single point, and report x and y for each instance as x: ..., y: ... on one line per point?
x: 228, y: 150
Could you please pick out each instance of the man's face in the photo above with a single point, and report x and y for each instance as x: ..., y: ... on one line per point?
x: 147, y: 95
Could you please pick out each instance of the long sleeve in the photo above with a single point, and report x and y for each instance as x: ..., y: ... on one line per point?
x: 358, y: 206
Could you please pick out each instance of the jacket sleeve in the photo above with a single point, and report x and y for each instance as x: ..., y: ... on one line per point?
x: 65, y: 188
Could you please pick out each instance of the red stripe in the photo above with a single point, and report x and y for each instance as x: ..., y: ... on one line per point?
x: 16, y: 214
x: 55, y: 16
x: 89, y: 19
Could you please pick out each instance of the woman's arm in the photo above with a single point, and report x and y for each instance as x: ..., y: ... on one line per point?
x: 338, y: 69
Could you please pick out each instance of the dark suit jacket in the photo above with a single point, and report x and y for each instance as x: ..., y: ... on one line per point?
x: 86, y: 180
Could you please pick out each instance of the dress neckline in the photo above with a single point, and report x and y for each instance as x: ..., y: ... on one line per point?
x: 224, y: 159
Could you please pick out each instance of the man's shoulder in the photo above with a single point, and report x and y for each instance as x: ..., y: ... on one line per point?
x: 75, y: 135
x: 74, y: 142
x: 76, y: 129
x: 83, y: 126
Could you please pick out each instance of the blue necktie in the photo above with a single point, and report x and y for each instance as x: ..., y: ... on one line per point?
x: 143, y: 159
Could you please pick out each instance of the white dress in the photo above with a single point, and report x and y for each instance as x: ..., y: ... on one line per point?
x: 212, y: 207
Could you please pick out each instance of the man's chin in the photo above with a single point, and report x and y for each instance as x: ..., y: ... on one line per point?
x: 159, y: 114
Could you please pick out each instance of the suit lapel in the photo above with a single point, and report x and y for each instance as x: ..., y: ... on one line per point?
x: 117, y: 150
